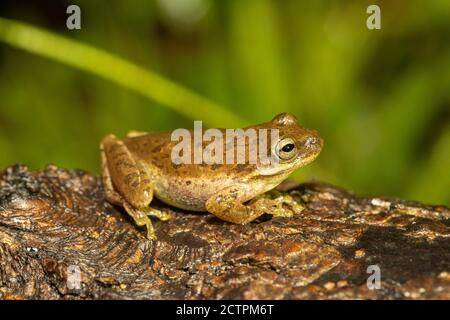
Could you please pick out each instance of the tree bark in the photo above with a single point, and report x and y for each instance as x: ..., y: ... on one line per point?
x: 56, y: 228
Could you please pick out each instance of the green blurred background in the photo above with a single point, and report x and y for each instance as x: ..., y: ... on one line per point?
x: 379, y: 98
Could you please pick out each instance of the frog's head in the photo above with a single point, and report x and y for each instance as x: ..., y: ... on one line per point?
x: 295, y: 147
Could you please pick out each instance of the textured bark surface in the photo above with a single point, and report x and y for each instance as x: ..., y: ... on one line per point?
x: 54, y: 222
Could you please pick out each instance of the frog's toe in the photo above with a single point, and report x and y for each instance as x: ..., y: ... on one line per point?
x: 151, y: 235
x: 141, y: 219
x: 297, y: 208
x: 286, y: 206
x: 282, y: 212
x: 288, y: 201
x: 152, y: 212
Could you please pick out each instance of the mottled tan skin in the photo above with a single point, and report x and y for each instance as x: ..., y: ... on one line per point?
x: 139, y: 167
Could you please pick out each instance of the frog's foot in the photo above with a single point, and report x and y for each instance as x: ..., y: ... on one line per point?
x: 141, y: 219
x: 278, y: 204
x: 152, y: 212
x: 287, y: 206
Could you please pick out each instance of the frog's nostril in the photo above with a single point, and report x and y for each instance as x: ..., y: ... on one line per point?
x: 310, y: 141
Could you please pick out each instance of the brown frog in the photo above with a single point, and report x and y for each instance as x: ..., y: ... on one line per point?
x: 139, y: 167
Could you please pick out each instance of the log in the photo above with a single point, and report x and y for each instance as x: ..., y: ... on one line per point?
x: 60, y: 239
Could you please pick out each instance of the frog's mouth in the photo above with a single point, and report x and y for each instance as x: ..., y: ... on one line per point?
x: 303, y: 161
x: 285, y: 166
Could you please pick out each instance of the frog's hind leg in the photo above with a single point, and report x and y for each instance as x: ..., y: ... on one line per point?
x: 110, y: 193
x: 125, y: 174
x: 127, y: 183
x: 114, y: 197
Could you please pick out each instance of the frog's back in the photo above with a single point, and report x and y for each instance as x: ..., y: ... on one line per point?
x: 155, y: 150
x: 187, y: 186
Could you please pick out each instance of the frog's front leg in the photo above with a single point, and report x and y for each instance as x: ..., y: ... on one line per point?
x: 228, y: 205
x: 127, y: 183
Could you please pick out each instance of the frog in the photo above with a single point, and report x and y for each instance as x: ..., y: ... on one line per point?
x: 140, y: 167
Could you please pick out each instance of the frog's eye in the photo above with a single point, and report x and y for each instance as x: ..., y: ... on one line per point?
x: 286, y: 149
